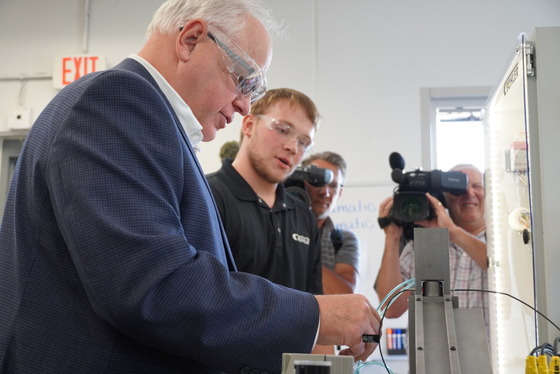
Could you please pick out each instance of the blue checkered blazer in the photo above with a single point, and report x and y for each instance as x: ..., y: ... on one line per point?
x: 112, y: 254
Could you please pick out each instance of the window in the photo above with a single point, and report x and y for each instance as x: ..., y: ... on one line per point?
x: 451, y: 125
x: 459, y: 137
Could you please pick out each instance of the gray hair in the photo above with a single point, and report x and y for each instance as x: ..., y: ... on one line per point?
x: 227, y: 15
x: 465, y: 166
x: 331, y: 158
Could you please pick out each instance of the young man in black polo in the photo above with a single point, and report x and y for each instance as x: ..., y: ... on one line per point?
x: 271, y: 233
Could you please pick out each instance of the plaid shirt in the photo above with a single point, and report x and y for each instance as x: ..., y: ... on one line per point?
x: 464, y: 273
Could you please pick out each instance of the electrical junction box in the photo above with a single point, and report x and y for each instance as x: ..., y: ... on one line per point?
x: 516, y: 157
x: 20, y: 119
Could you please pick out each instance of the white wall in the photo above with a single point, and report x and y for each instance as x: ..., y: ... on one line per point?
x: 364, y: 62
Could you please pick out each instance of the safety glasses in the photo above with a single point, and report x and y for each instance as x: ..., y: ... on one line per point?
x: 250, y: 80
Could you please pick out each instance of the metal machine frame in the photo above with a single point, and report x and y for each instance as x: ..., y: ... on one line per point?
x: 443, y: 339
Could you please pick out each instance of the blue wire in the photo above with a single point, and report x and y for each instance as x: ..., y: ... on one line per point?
x: 404, y: 285
x: 391, y: 296
x: 361, y: 365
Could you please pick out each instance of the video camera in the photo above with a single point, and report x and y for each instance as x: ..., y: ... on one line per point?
x: 410, y: 203
x: 312, y: 174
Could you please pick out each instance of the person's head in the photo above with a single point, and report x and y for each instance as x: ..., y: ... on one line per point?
x: 277, y: 133
x: 324, y: 199
x: 214, y: 53
x: 467, y: 210
x: 229, y: 150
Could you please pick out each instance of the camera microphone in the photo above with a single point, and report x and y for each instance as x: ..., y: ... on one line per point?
x: 396, y: 161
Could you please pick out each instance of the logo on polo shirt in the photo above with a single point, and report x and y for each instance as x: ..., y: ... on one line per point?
x: 300, y: 238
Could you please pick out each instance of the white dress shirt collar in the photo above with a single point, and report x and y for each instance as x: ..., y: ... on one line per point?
x: 190, y: 124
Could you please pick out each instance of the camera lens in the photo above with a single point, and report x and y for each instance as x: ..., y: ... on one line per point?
x: 410, y: 206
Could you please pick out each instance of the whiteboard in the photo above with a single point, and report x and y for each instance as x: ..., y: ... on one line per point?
x: 357, y: 211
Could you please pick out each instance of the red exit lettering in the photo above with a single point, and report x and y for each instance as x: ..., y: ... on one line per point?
x: 76, y: 67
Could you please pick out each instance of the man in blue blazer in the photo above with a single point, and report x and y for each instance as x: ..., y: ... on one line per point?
x: 113, y: 258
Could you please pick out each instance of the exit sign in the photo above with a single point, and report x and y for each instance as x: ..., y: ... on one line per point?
x: 69, y: 68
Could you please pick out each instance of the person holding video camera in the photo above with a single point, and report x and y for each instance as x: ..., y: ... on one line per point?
x: 271, y: 232
x: 340, y: 248
x: 465, y: 220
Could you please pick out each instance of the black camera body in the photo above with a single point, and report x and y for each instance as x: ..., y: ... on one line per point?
x: 410, y: 203
x: 312, y: 174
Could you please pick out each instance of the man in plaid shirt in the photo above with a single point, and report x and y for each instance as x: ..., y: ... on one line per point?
x: 465, y: 220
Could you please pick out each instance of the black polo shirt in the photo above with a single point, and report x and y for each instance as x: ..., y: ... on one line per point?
x: 280, y: 244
